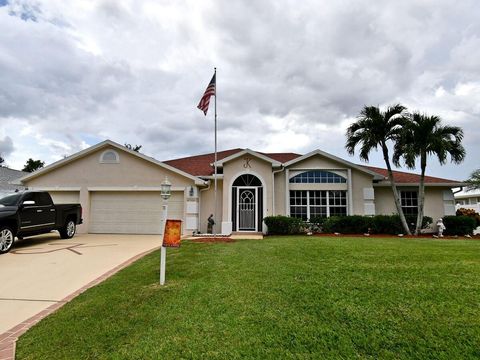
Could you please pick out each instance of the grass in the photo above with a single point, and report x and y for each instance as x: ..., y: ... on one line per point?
x: 280, y: 298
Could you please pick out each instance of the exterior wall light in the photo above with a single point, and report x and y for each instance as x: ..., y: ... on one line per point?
x: 165, y: 189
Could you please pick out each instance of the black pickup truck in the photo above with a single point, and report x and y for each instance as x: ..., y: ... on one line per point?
x: 31, y: 213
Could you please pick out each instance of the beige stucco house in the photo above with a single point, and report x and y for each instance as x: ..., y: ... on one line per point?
x: 119, y: 189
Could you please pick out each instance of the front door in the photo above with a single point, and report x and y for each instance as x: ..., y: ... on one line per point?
x: 247, y: 209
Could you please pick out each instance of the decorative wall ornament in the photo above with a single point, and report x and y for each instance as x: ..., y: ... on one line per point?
x: 247, y: 164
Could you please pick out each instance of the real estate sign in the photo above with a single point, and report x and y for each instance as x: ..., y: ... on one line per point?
x: 171, y: 237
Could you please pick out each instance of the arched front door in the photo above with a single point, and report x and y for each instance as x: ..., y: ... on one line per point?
x: 247, y: 203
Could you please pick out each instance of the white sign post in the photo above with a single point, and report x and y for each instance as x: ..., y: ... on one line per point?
x: 163, y: 249
x: 165, y: 193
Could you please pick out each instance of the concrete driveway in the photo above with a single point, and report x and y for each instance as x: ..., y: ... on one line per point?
x: 43, y: 270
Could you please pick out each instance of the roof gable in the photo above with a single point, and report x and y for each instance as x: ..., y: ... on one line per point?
x: 99, y: 146
x: 250, y: 152
x: 334, y: 158
x: 202, y: 165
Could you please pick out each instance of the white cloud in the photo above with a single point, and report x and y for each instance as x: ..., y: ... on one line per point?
x: 291, y: 75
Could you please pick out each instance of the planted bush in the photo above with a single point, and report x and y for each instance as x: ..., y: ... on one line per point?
x: 459, y: 225
x: 354, y: 224
x: 387, y: 224
x: 284, y: 225
x: 469, y: 212
x: 378, y: 224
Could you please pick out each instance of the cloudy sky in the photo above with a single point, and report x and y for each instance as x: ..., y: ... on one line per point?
x: 291, y: 75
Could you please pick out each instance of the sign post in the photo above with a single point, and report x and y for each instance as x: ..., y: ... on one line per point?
x: 171, y: 238
x: 163, y: 259
x: 165, y: 193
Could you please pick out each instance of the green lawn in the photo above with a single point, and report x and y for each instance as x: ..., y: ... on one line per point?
x: 278, y: 298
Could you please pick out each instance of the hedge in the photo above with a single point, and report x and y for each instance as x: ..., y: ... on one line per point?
x: 378, y: 224
x: 284, y: 225
x: 354, y: 224
x: 459, y: 225
x: 469, y: 212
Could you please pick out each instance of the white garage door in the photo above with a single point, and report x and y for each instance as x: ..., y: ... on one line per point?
x: 65, y: 197
x: 131, y: 212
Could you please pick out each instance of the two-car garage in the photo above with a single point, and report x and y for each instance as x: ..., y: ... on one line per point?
x: 119, y: 190
x: 131, y: 212
x: 125, y: 212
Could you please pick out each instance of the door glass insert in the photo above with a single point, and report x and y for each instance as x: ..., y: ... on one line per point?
x: 246, y: 210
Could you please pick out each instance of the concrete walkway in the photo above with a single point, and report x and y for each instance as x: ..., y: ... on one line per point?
x: 43, y: 271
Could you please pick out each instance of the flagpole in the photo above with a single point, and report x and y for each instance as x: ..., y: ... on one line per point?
x: 215, y: 176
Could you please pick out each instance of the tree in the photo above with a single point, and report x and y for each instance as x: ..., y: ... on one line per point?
x: 474, y: 180
x: 2, y: 161
x: 32, y: 165
x: 423, y: 136
x: 373, y: 129
x: 134, y: 147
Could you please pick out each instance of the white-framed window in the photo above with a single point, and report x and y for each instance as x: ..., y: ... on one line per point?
x: 306, y: 204
x: 317, y: 177
x: 299, y: 204
x: 109, y: 157
x: 409, y: 202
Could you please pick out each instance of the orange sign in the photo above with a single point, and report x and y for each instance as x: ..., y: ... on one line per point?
x: 171, y: 237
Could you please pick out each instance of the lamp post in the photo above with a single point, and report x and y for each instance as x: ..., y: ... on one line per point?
x: 165, y: 193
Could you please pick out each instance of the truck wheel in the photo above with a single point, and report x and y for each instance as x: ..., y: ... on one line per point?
x: 68, y: 231
x: 6, y: 239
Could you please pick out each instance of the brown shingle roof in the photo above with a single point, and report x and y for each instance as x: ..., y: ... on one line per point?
x: 199, y: 165
x: 282, y: 157
x: 402, y: 177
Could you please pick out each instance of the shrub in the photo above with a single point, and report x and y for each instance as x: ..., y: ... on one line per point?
x: 469, y: 212
x: 284, y: 225
x: 386, y: 224
x: 317, y: 220
x: 354, y: 224
x: 315, y: 224
x: 378, y: 224
x: 459, y: 225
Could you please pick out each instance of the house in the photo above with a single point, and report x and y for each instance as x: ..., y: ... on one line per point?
x: 9, y: 180
x: 468, y: 199
x: 119, y: 189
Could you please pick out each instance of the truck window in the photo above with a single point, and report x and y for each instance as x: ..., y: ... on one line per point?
x: 42, y: 199
x: 10, y: 200
x: 28, y: 196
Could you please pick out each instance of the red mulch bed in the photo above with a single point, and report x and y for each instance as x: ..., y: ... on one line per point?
x: 209, y: 240
x: 422, y: 236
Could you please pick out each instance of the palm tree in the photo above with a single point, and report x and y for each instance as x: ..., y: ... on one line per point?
x: 474, y: 180
x: 373, y: 129
x: 424, y: 136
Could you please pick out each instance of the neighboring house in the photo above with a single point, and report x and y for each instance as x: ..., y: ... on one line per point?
x: 9, y: 180
x: 119, y: 189
x: 468, y: 199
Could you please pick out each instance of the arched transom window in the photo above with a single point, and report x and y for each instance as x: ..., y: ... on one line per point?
x: 109, y: 157
x: 317, y: 177
x: 247, y: 180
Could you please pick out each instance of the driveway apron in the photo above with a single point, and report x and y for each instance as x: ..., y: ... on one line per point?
x: 43, y: 270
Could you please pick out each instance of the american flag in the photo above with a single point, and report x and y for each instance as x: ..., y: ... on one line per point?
x: 205, y: 100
